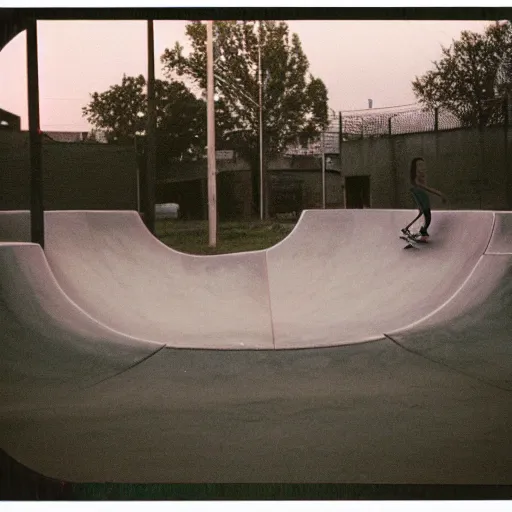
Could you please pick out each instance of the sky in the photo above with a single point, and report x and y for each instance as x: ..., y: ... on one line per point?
x: 357, y: 60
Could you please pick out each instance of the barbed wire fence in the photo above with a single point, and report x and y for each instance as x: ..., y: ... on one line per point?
x: 396, y: 121
x: 416, y: 118
x: 392, y: 121
x: 413, y: 118
x: 328, y: 142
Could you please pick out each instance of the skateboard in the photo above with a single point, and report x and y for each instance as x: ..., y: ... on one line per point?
x: 414, y: 240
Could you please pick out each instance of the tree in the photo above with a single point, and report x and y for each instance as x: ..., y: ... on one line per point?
x: 121, y: 112
x: 463, y: 80
x: 294, y: 102
x: 503, y: 82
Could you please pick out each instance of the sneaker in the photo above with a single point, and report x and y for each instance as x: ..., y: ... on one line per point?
x: 424, y: 233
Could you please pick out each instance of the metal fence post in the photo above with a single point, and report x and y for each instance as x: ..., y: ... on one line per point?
x: 506, y: 113
x: 340, y: 142
x: 508, y: 172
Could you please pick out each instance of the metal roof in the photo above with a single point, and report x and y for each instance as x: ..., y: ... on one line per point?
x: 12, y: 22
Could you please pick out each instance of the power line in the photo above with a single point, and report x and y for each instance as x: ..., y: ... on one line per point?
x: 62, y: 99
x: 379, y: 108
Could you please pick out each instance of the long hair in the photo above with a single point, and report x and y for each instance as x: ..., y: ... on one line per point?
x: 413, y: 168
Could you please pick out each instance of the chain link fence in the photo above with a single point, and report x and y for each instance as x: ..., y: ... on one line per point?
x: 415, y: 118
x: 328, y: 142
x: 469, y: 153
x: 403, y: 119
x: 394, y: 120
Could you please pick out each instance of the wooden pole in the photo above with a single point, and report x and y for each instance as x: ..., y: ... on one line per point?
x: 323, y: 170
x: 149, y: 214
x: 263, y: 190
x: 212, y: 171
x: 340, y: 142
x: 508, y: 170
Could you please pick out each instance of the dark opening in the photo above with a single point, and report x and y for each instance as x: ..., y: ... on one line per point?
x: 357, y: 191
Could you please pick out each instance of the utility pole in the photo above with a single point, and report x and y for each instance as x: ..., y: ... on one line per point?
x: 323, y: 170
x: 340, y: 147
x: 260, y: 111
x: 149, y: 214
x: 212, y: 171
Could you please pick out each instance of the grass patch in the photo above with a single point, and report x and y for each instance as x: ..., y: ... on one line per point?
x: 192, y: 236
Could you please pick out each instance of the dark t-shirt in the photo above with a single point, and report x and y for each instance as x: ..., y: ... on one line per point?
x: 421, y: 197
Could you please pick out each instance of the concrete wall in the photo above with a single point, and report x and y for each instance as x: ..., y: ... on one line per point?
x: 468, y: 165
x: 234, y: 194
x: 312, y: 187
x: 371, y: 157
x: 76, y: 176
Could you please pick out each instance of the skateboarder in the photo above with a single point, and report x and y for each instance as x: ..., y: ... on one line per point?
x: 419, y: 191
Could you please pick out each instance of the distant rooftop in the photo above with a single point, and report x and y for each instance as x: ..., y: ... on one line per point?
x: 9, y: 121
x: 72, y: 136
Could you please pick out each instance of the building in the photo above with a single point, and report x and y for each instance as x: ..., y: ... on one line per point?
x: 294, y: 182
x: 66, y: 136
x: 76, y: 175
x: 9, y: 121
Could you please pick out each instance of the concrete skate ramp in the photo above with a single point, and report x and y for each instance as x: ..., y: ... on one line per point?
x: 343, y: 276
x: 471, y: 333
x: 398, y: 412
x: 113, y: 268
x: 47, y: 343
x: 501, y: 240
x: 363, y: 413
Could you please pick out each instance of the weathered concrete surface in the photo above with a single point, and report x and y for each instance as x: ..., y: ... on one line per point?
x: 431, y: 404
x: 47, y: 343
x: 341, y: 276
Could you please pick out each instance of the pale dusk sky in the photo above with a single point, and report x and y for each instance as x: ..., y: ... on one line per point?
x: 357, y: 60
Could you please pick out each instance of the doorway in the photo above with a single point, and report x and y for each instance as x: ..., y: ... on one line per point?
x: 357, y: 192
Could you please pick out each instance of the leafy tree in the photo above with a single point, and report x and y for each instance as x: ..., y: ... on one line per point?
x: 503, y: 83
x: 463, y: 80
x: 294, y: 102
x: 121, y: 112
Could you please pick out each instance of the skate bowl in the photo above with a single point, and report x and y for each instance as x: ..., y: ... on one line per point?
x: 340, y: 277
x: 471, y: 332
x: 47, y: 343
x: 426, y: 401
